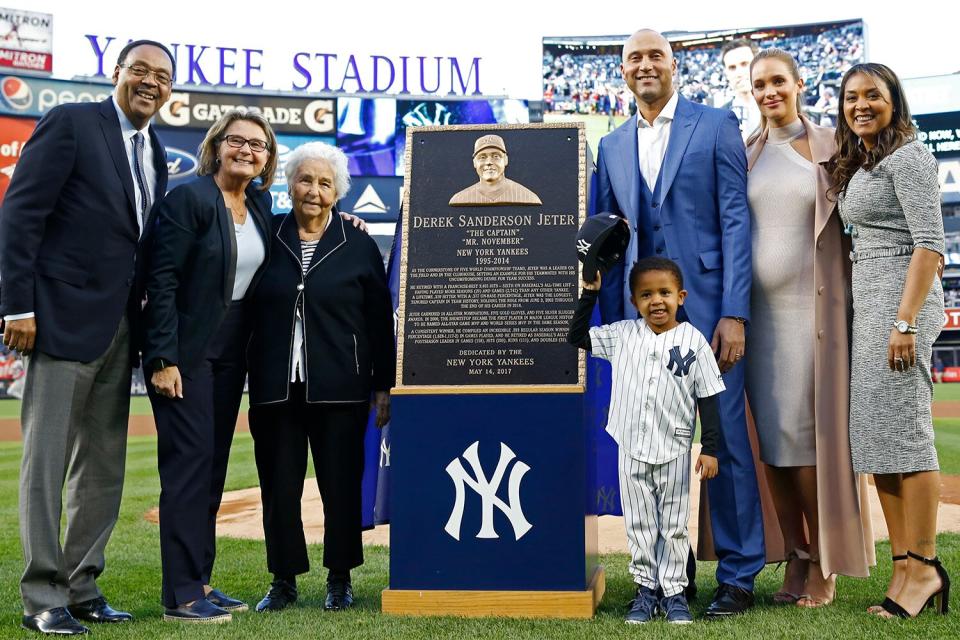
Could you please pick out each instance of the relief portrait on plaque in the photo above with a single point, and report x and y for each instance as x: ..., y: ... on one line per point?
x: 494, y: 188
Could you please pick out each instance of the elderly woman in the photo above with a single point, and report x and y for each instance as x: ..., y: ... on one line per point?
x: 887, y: 188
x: 210, y: 246
x: 322, y: 345
x: 799, y: 310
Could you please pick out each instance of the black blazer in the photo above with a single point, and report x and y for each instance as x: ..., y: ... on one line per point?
x: 348, y: 317
x: 69, y: 236
x: 191, y: 268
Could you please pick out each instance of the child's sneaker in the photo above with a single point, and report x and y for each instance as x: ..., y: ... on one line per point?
x: 644, y: 606
x: 676, y: 609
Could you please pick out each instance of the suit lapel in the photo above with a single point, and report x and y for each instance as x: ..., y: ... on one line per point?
x: 334, y: 238
x: 681, y: 130
x: 229, y: 239
x: 290, y: 239
x: 110, y: 127
x: 160, y: 166
x: 627, y: 175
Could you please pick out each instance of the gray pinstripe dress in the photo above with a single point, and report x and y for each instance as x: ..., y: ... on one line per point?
x: 894, y: 208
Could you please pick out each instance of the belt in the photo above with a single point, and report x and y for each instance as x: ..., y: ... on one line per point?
x: 881, y: 252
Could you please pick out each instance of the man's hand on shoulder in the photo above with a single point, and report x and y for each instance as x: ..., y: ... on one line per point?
x: 20, y: 334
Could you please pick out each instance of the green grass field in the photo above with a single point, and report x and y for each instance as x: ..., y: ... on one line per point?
x: 132, y: 581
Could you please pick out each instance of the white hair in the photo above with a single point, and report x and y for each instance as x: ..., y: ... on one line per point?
x: 336, y: 158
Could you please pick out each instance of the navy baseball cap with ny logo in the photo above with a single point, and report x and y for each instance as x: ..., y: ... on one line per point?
x: 601, y: 243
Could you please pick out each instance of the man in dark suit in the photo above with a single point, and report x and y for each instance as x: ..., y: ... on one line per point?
x: 71, y: 227
x: 678, y: 173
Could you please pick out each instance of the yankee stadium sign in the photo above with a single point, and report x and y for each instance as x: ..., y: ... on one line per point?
x: 222, y: 66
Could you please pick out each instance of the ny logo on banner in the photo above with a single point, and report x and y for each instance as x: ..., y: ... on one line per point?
x: 487, y: 489
x: 680, y: 365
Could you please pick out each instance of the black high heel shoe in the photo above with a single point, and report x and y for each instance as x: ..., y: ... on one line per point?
x: 877, y: 608
x: 941, y: 597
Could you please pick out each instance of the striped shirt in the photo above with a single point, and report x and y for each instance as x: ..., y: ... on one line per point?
x: 297, y: 374
x: 656, y: 381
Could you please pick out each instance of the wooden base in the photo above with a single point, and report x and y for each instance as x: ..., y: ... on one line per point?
x: 506, y: 604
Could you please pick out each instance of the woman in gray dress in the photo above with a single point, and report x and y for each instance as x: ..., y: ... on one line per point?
x: 887, y: 188
x: 797, y: 376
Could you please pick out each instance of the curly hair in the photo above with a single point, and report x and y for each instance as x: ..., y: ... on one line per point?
x: 851, y: 155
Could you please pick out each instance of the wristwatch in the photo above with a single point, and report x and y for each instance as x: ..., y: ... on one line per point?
x: 905, y: 327
x: 159, y: 364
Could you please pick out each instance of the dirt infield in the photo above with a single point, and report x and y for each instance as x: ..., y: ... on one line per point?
x: 241, y: 517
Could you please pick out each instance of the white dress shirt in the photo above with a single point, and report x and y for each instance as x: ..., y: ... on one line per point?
x: 127, y: 131
x: 652, y: 140
x: 297, y: 370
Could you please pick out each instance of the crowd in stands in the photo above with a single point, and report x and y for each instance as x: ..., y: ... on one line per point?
x: 589, y: 83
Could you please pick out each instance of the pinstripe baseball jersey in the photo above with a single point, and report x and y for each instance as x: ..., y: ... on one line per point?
x: 656, y: 381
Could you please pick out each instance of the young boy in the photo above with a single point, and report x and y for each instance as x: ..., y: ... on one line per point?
x: 661, y: 369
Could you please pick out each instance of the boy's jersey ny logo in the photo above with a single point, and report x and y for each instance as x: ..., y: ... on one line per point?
x: 680, y: 365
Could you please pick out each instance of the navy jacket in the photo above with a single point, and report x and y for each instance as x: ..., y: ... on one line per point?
x: 348, y: 317
x: 69, y: 237
x: 191, y: 268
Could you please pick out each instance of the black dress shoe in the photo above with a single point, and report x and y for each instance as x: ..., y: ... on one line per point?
x: 225, y: 602
x: 201, y: 610
x: 339, y: 594
x: 281, y: 594
x: 729, y: 601
x: 97, y: 610
x: 58, y: 621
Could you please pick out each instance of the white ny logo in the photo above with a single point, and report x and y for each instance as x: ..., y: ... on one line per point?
x: 384, y: 453
x: 487, y: 489
x: 583, y: 246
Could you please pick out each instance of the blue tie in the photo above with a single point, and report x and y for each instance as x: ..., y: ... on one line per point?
x: 141, y: 179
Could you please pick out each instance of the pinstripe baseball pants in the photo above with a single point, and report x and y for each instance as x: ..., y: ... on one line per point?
x: 656, y: 507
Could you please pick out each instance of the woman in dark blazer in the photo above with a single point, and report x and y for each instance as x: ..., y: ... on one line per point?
x: 322, y: 345
x: 210, y: 246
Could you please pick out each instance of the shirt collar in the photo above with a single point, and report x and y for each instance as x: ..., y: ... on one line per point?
x: 126, y: 127
x: 666, y: 115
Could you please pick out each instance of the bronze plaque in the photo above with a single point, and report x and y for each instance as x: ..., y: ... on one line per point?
x: 489, y: 272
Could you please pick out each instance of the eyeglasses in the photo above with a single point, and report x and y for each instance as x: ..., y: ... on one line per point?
x: 237, y: 142
x: 142, y: 71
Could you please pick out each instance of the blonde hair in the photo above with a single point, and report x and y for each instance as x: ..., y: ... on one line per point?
x: 208, y: 162
x: 774, y: 53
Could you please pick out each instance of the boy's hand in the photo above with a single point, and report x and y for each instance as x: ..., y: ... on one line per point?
x: 707, y: 466
x: 591, y: 286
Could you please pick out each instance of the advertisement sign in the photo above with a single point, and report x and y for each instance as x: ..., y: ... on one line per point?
x: 26, y: 96
x: 182, y: 147
x: 198, y: 110
x: 940, y: 132
x: 14, y: 133
x: 26, y: 40
x: 366, y: 130
x: 375, y: 199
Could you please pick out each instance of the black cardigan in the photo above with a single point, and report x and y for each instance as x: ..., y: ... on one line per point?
x: 347, y: 311
x: 191, y: 269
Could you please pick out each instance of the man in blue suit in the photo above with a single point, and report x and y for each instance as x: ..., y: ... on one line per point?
x: 71, y: 227
x: 678, y: 173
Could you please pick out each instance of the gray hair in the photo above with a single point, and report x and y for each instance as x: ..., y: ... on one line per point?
x: 336, y: 158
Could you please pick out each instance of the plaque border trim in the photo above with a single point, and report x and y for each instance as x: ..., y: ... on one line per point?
x: 399, y: 387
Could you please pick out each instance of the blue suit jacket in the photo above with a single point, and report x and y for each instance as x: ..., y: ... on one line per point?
x: 704, y: 213
x: 69, y: 235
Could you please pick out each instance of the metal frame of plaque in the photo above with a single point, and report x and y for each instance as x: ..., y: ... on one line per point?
x: 487, y: 293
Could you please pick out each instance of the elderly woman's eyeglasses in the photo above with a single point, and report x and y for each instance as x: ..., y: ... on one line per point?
x: 142, y: 71
x: 237, y: 142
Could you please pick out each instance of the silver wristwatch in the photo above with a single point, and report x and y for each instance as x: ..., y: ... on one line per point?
x: 905, y: 327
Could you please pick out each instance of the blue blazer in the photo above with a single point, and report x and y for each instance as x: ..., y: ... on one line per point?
x: 69, y: 237
x: 704, y: 213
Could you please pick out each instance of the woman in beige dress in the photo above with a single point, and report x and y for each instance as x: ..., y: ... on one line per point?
x: 801, y: 299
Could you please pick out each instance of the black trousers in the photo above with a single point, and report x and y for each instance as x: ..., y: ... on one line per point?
x: 334, y: 433
x: 194, y: 434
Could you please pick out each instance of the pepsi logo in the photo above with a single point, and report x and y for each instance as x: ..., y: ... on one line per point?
x: 15, y: 93
x: 180, y: 164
